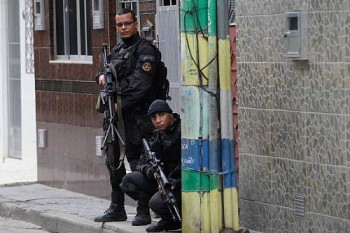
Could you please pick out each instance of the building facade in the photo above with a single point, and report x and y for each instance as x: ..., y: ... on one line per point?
x: 294, y: 115
x: 68, y: 53
x: 18, y: 154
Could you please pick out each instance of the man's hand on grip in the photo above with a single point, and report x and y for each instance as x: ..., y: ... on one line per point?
x: 101, y: 80
x: 150, y: 173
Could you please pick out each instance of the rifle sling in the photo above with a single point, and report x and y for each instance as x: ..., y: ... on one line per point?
x: 120, y: 122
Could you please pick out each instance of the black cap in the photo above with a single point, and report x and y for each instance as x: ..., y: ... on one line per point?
x: 159, y: 106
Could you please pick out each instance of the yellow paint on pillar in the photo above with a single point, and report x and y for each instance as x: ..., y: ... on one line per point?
x: 189, y: 58
x: 236, y: 225
x: 203, y: 59
x: 212, y: 67
x: 205, y: 212
x: 215, y: 211
x: 191, y: 212
x: 228, y: 210
x: 224, y: 64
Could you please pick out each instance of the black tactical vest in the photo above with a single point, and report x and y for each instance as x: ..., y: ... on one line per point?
x: 124, y: 61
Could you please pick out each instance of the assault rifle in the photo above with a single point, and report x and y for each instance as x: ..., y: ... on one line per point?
x: 163, y: 182
x: 107, y: 96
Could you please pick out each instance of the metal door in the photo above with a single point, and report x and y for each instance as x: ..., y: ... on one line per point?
x: 168, y: 36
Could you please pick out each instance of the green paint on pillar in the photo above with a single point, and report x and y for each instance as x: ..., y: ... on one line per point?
x: 212, y: 28
x: 187, y: 16
x: 202, y: 14
x: 214, y: 182
x: 194, y: 181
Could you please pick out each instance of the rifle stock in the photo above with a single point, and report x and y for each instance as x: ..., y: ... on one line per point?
x: 163, y: 183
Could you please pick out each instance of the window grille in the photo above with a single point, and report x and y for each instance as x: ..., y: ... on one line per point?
x: 232, y: 10
x: 73, y: 29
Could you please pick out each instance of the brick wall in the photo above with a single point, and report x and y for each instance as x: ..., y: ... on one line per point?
x: 66, y: 94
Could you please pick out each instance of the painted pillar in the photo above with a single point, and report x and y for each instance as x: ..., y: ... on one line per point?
x: 230, y: 195
x: 191, y: 127
x: 207, y: 152
x: 194, y: 99
x: 214, y: 144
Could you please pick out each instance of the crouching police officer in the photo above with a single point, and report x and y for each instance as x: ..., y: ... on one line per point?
x: 141, y: 184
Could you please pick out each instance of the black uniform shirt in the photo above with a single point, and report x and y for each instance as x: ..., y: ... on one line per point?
x: 167, y: 146
x: 137, y: 72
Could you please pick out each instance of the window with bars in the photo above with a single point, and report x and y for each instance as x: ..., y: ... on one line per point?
x: 169, y: 3
x: 232, y: 9
x: 73, y: 29
x: 132, y: 5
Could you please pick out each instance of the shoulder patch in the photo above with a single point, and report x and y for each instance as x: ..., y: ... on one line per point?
x: 147, y: 66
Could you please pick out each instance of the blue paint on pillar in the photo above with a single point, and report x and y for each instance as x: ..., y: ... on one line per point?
x: 229, y: 167
x: 205, y: 155
x: 190, y: 154
x: 215, y: 156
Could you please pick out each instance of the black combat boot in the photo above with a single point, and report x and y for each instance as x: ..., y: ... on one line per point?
x: 116, y: 211
x: 143, y: 216
x: 112, y: 214
x: 164, y: 225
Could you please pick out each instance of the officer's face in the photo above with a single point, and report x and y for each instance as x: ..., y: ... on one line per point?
x: 162, y: 120
x: 126, y: 26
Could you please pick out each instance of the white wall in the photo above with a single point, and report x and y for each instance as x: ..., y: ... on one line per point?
x: 25, y: 169
x: 3, y: 79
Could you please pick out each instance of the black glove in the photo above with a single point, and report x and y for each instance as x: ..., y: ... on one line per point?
x: 175, y: 183
x: 150, y: 173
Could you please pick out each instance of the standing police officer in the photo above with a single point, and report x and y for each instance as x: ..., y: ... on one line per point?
x: 166, y: 143
x: 135, y: 62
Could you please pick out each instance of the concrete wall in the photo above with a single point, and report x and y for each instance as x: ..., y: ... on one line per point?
x: 294, y: 118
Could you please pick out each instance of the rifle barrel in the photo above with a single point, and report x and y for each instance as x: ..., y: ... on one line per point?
x: 163, y: 182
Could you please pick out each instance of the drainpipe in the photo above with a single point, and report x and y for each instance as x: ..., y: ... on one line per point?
x: 214, y: 142
x: 230, y: 194
x: 203, y: 49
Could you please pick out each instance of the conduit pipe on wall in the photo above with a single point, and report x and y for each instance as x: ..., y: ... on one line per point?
x: 215, y: 195
x: 230, y: 194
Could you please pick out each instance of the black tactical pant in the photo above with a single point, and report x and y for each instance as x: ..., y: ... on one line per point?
x: 138, y: 186
x: 137, y: 126
x: 116, y: 175
x: 160, y: 207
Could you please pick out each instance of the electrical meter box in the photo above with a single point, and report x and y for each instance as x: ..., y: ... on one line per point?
x: 296, y: 35
x: 39, y: 15
x: 97, y: 14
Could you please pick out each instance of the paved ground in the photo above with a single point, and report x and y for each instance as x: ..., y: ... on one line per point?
x: 58, y: 210
x: 43, y: 209
x: 8, y: 225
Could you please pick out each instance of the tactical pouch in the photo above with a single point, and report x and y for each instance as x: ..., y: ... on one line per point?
x: 100, y: 106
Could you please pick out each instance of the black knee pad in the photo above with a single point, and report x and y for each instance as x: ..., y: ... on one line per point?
x: 129, y: 188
